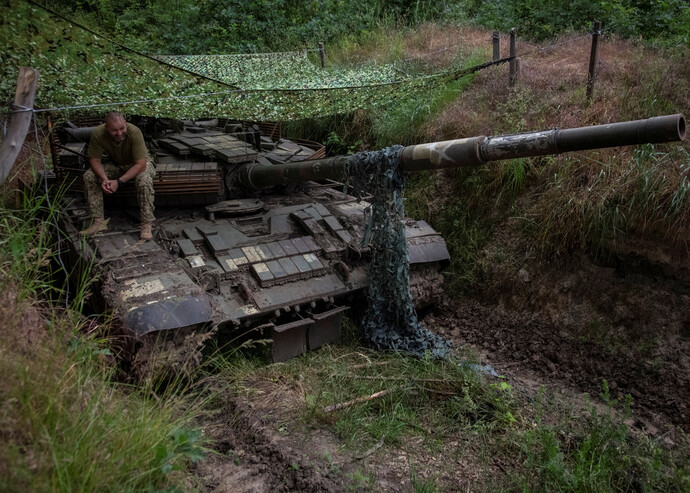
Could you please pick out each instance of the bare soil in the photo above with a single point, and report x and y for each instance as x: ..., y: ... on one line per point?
x: 256, y: 453
x: 261, y: 446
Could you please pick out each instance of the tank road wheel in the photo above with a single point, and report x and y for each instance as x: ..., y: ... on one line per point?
x: 166, y: 356
x: 426, y: 284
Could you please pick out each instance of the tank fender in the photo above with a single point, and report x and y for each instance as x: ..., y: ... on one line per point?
x: 171, y: 313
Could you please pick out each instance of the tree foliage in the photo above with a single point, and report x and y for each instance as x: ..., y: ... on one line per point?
x: 663, y: 20
x: 221, y: 26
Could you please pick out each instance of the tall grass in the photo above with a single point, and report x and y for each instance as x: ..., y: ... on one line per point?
x: 64, y: 422
x: 26, y: 244
x: 595, y: 205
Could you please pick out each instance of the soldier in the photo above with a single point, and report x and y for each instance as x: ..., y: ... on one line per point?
x: 125, y: 145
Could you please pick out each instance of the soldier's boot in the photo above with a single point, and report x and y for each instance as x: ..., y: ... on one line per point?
x: 146, y: 234
x: 98, y: 225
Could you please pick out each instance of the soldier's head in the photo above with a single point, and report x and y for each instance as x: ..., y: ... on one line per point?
x: 116, y: 126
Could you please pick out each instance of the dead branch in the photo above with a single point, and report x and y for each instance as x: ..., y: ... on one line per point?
x: 358, y: 400
x: 415, y: 380
x: 373, y: 449
x: 367, y: 365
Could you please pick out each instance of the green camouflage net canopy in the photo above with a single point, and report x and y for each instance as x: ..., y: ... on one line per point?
x: 390, y: 321
x: 290, y: 70
x: 83, y: 72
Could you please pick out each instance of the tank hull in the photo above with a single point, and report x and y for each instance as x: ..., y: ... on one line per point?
x: 281, y: 266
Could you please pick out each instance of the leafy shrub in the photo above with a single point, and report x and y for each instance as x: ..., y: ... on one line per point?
x: 543, y: 19
x: 218, y: 26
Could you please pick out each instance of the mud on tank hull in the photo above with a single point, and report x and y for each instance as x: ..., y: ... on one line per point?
x: 280, y: 265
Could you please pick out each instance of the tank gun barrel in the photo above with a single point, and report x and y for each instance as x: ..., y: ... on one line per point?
x: 475, y: 151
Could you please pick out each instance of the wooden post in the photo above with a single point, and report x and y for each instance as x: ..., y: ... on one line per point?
x: 593, y: 59
x: 512, y: 74
x: 322, y: 54
x: 496, y: 41
x: 18, y: 123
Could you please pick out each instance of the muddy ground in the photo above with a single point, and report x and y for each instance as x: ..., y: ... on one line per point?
x: 566, y: 325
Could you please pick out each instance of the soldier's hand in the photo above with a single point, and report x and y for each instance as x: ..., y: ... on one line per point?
x: 109, y: 186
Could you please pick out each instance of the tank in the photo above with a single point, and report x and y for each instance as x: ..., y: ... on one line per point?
x: 256, y: 238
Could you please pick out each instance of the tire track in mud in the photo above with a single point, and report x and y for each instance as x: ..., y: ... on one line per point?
x: 251, y: 457
x: 658, y: 383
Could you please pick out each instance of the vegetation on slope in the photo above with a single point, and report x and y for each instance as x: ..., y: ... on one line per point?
x: 66, y: 425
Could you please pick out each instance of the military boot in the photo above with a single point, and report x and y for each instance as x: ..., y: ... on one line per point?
x: 98, y: 225
x: 146, y: 232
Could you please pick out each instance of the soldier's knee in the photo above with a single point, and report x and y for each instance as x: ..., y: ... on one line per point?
x: 89, y: 177
x: 144, y: 182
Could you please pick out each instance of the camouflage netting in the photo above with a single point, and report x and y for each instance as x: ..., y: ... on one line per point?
x: 80, y: 68
x: 390, y: 322
x: 290, y: 70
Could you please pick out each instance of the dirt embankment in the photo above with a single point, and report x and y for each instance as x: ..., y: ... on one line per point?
x: 576, y: 320
x: 575, y: 323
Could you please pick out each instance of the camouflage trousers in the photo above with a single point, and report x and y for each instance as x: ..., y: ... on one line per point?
x: 143, y: 182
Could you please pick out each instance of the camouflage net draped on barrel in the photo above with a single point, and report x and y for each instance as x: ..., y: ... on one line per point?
x: 390, y: 321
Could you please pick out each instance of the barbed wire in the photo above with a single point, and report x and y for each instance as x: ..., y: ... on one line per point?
x: 423, y: 55
x: 504, y: 36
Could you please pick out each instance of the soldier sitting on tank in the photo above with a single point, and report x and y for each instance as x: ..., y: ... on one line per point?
x: 125, y: 145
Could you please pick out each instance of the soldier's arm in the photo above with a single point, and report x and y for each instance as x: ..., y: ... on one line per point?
x: 138, y: 167
x: 99, y: 171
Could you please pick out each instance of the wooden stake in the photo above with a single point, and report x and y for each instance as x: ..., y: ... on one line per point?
x: 496, y: 41
x: 512, y: 74
x: 593, y: 59
x: 322, y: 54
x: 18, y: 123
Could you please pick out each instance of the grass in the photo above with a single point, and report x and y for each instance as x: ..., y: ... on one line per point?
x: 593, y: 448
x: 72, y: 430
x: 402, y: 123
x: 445, y: 409
x: 413, y: 388
x: 66, y: 424
x: 603, y: 203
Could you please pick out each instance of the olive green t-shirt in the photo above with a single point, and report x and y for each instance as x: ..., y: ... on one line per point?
x: 127, y: 152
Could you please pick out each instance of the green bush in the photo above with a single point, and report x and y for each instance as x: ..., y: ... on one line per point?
x: 544, y: 19
x: 218, y: 26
